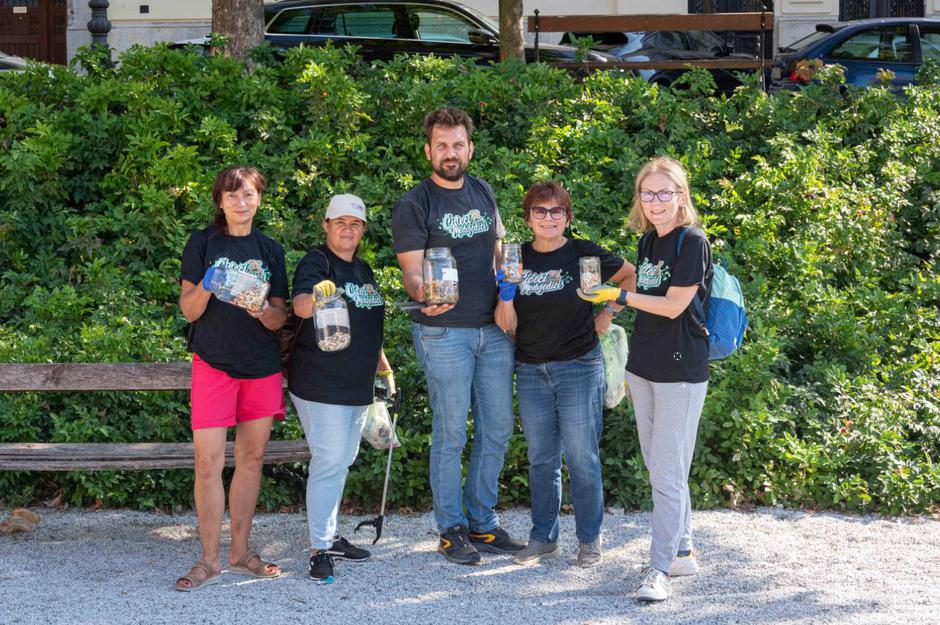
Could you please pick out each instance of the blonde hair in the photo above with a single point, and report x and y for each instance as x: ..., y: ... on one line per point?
x: 673, y: 169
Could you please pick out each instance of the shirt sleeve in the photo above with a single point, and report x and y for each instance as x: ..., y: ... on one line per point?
x: 694, y: 259
x: 409, y: 226
x: 193, y: 265
x: 610, y: 262
x: 311, y: 269
x: 278, y: 274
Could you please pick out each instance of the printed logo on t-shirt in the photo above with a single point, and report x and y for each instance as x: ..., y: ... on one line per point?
x: 539, y: 283
x: 465, y: 226
x: 253, y: 266
x: 650, y: 276
x: 363, y: 295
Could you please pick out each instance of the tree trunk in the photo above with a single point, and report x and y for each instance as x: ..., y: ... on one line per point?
x: 511, y: 36
x: 242, y: 23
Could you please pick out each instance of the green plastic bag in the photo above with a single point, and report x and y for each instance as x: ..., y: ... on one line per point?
x: 615, y: 349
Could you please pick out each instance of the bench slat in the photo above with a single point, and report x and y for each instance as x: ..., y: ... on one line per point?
x: 127, y: 456
x: 125, y: 376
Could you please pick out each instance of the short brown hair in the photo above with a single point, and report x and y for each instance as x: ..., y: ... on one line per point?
x: 448, y: 117
x: 547, y: 190
x: 233, y: 179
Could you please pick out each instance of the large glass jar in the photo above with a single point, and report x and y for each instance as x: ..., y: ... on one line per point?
x: 239, y: 288
x: 512, y: 262
x: 331, y: 319
x: 590, y: 272
x: 440, y: 276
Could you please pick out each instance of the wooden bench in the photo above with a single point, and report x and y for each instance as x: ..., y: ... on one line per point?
x: 761, y: 22
x: 18, y: 378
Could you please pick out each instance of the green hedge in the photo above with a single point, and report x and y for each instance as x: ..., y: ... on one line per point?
x: 826, y: 203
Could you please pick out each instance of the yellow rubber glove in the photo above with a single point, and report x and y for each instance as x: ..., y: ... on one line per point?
x: 600, y: 294
x: 385, y: 380
x: 324, y: 288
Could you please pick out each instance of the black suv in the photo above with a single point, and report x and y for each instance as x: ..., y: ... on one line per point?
x: 385, y: 28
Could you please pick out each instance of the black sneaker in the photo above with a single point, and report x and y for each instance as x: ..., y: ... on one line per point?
x: 342, y: 549
x: 497, y: 540
x: 456, y: 547
x: 321, y: 565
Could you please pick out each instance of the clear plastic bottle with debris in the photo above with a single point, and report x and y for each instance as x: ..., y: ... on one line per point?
x: 239, y: 288
x: 590, y: 267
x: 512, y: 262
x: 331, y: 320
x: 440, y: 277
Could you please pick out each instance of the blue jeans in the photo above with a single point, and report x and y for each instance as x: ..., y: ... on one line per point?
x: 332, y: 434
x: 561, y: 406
x: 467, y: 368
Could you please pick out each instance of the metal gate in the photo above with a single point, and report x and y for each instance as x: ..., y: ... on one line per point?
x: 863, y: 9
x: 34, y: 29
x: 746, y: 42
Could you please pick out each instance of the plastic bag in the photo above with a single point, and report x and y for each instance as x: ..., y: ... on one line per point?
x: 378, y: 427
x: 615, y: 350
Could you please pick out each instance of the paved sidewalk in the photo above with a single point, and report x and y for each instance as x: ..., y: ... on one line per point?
x: 769, y: 567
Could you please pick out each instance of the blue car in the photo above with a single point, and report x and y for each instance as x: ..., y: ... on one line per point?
x: 864, y: 48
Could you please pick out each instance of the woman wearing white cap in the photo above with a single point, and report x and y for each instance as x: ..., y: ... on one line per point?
x: 333, y: 390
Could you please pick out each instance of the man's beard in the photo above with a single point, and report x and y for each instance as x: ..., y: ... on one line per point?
x: 452, y: 175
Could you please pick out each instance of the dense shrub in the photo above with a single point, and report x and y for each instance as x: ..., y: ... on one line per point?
x: 826, y: 203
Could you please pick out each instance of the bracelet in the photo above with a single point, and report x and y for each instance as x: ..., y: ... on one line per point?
x: 613, y: 311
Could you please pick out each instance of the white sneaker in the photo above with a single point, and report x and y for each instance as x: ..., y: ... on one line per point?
x: 654, y: 586
x: 684, y: 565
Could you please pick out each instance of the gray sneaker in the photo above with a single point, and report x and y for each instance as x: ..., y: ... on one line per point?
x: 589, y: 554
x: 535, y: 551
x: 654, y: 586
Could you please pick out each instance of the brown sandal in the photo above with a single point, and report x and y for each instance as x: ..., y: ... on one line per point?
x: 252, y: 564
x: 199, y: 576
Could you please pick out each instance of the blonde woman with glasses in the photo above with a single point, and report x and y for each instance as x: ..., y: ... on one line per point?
x: 667, y: 370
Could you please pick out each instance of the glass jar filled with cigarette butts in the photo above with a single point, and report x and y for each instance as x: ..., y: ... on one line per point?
x: 440, y: 276
x: 512, y: 262
x: 331, y: 319
x: 590, y: 267
x: 239, y: 288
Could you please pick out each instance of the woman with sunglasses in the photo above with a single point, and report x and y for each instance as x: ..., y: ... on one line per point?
x: 667, y: 370
x: 559, y: 371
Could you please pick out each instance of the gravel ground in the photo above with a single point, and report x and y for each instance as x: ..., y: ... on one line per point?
x: 767, y: 567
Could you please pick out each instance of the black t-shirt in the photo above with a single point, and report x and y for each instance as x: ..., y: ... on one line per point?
x: 226, y: 336
x: 664, y: 349
x: 554, y: 323
x: 467, y: 221
x: 343, y: 377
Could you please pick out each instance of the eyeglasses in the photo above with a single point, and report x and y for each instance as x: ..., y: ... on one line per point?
x: 663, y: 196
x: 557, y: 212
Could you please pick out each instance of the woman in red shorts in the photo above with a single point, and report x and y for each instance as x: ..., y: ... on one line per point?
x: 236, y: 372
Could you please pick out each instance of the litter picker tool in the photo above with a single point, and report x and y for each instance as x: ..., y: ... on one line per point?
x: 379, y: 520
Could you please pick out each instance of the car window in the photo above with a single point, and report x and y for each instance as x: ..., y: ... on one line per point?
x: 806, y: 41
x: 704, y: 41
x: 371, y: 20
x: 434, y: 24
x: 891, y: 44
x: 930, y: 43
x: 291, y: 22
x: 664, y: 40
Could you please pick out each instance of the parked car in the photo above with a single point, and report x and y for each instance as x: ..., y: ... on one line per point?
x: 388, y: 27
x: 864, y: 48
x: 667, y: 45
x: 11, y: 63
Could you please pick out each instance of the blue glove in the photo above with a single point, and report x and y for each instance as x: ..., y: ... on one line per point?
x: 207, y: 279
x: 507, y: 290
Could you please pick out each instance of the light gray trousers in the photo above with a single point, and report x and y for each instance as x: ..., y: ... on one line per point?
x: 667, y: 416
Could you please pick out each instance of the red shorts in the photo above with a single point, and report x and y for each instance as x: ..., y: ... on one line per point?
x: 219, y: 401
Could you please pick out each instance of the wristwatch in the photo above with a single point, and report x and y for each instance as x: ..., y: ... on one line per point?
x: 622, y: 300
x: 613, y: 311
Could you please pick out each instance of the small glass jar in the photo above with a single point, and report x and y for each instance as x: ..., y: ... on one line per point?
x: 512, y: 262
x: 590, y: 267
x: 440, y: 277
x: 331, y: 319
x: 239, y: 288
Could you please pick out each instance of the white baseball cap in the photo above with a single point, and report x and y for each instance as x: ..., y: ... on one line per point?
x: 346, y: 204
